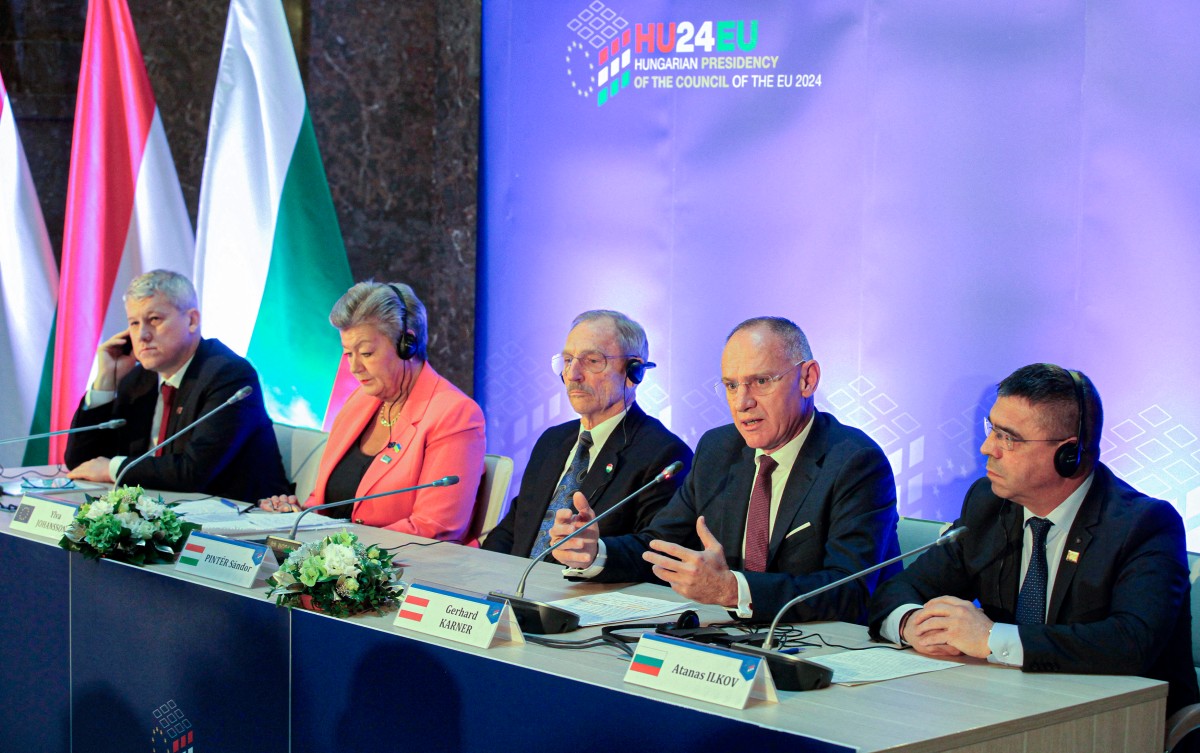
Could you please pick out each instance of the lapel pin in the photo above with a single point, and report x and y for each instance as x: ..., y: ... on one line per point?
x: 1072, y: 556
x: 394, y: 446
x: 385, y: 459
x: 608, y: 468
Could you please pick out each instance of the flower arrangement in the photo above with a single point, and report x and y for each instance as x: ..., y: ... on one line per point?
x: 127, y: 525
x: 338, y: 575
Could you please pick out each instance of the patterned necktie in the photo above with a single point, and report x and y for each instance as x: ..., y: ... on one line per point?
x: 168, y: 402
x: 565, y: 492
x: 758, y: 519
x: 1031, y: 602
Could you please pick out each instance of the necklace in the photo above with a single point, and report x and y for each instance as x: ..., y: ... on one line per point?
x: 385, y: 418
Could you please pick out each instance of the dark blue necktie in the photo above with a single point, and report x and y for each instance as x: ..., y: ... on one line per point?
x: 565, y: 492
x: 1031, y: 602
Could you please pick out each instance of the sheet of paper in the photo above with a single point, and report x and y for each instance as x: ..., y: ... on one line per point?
x: 251, y: 523
x: 876, y: 664
x: 616, y: 606
x: 213, y: 506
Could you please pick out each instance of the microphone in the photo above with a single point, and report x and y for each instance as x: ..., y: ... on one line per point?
x: 116, y: 423
x: 544, y: 619
x: 794, y: 673
x: 282, y: 547
x: 444, y: 481
x: 235, y: 397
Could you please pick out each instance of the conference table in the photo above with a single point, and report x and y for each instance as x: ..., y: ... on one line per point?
x: 104, y: 656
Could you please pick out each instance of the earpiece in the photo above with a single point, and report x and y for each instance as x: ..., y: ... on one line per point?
x: 406, y: 345
x: 635, y: 369
x: 1069, y: 456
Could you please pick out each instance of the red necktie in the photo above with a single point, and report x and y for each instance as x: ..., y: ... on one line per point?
x: 168, y: 400
x: 758, y: 520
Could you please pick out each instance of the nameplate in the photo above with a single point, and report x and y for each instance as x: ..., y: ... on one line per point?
x: 700, y: 671
x: 42, y: 517
x: 218, y: 558
x: 459, y: 616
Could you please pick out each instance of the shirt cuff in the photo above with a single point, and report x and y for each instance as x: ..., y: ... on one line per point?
x: 890, y: 629
x: 592, y: 570
x: 745, y: 607
x: 114, y: 466
x: 1005, y: 644
x: 96, y: 398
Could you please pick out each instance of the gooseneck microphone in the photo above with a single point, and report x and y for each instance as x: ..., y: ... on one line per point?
x: 234, y: 398
x: 794, y: 673
x: 444, y: 481
x: 544, y: 619
x: 116, y: 423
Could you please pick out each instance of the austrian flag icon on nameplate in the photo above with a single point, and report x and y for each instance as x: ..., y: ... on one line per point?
x: 413, y: 607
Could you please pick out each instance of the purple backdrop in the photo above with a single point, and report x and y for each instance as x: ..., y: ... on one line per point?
x: 971, y: 187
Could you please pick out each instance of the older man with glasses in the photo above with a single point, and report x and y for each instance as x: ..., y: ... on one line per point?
x: 781, y: 502
x: 611, y: 450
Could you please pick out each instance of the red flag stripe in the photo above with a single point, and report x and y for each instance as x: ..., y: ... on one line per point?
x: 113, y: 112
x: 408, y: 615
x: 416, y: 601
x: 194, y: 548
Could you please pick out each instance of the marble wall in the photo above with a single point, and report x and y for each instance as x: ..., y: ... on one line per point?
x: 393, y: 88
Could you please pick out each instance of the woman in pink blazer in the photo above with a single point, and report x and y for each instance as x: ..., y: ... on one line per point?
x: 405, y: 425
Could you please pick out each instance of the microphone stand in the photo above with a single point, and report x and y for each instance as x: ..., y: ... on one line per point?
x: 234, y: 398
x: 542, y: 618
x: 794, y: 673
x: 282, y: 547
x: 116, y: 423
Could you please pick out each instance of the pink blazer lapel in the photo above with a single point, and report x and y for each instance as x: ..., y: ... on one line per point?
x: 404, y: 432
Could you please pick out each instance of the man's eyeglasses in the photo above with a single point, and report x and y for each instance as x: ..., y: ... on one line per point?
x: 756, y: 386
x: 1008, y: 440
x: 590, y: 361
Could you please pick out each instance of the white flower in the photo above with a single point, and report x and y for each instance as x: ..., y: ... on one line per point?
x: 128, y: 519
x: 340, y: 560
x: 150, y: 509
x: 99, y: 509
x: 143, y: 530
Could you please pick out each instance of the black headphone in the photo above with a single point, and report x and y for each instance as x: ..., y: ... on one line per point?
x: 688, y: 622
x: 635, y: 369
x: 1068, y: 457
x: 406, y: 344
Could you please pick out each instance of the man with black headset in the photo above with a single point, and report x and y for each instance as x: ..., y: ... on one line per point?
x: 611, y: 450
x: 1074, y: 570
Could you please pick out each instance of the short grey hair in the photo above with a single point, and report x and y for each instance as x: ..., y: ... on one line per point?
x: 174, y: 287
x: 794, y: 339
x: 631, y: 337
x: 375, y: 303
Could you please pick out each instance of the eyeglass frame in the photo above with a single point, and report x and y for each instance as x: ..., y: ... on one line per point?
x: 1007, y: 440
x: 721, y: 387
x: 561, y: 370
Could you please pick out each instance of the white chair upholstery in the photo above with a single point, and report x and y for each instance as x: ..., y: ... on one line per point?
x: 914, y: 532
x: 493, y: 494
x: 301, y: 450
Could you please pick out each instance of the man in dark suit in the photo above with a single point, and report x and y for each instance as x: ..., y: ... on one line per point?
x: 1074, y: 570
x: 160, y: 375
x: 782, y: 502
x: 601, y: 365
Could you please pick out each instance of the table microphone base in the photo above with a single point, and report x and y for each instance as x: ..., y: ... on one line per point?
x: 281, y: 547
x: 790, y: 672
x: 538, y: 617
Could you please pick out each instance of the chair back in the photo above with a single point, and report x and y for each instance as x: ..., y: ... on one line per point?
x: 914, y: 532
x: 301, y: 450
x: 492, y: 496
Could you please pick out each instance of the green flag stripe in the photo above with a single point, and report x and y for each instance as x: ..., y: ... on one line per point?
x: 37, y: 451
x: 293, y: 346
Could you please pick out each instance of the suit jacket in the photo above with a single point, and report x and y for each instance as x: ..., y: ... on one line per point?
x: 440, y: 432
x: 637, y: 451
x: 233, y: 454
x: 837, y: 516
x: 1122, y: 607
